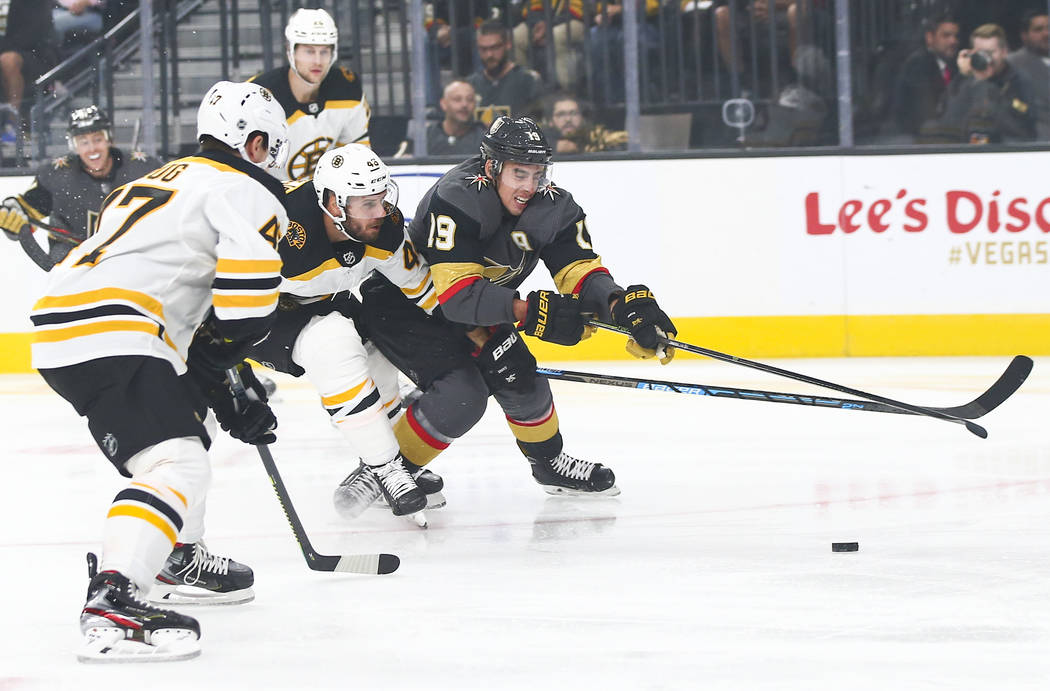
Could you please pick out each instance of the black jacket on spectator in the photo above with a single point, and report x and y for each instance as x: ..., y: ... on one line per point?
x: 28, y: 26
x: 919, y: 94
x: 1036, y: 75
x: 998, y: 109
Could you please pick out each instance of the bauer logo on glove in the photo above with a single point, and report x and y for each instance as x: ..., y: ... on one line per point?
x: 649, y: 325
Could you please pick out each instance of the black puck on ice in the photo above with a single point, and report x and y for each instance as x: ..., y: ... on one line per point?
x: 845, y: 546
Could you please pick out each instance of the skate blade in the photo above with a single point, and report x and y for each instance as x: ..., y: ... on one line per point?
x: 166, y: 594
x: 419, y: 518
x: 566, y: 492
x: 108, y: 645
x: 434, y: 501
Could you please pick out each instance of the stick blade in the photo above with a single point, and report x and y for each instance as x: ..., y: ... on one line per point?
x: 1004, y: 387
x: 371, y: 564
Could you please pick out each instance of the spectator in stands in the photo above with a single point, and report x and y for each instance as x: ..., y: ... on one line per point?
x: 450, y: 28
x: 569, y: 131
x: 565, y: 32
x: 26, y: 52
x: 1032, y: 62
x: 755, y: 12
x: 989, y: 103
x: 606, y: 47
x: 503, y: 86
x: 459, y: 133
x: 76, y: 20
x: 920, y: 92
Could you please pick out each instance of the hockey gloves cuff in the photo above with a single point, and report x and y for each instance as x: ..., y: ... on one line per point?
x: 252, y: 421
x: 12, y: 218
x: 505, y: 361
x: 554, y: 317
x: 649, y: 325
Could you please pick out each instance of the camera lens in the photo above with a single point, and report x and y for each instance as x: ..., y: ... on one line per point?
x: 980, y: 60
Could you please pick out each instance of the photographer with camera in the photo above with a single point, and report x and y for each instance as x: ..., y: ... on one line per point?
x: 990, y: 103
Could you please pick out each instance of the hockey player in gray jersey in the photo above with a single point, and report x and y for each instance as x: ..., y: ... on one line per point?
x: 325, y: 107
x: 70, y: 189
x: 343, y: 224
x: 483, y: 228
x: 136, y: 329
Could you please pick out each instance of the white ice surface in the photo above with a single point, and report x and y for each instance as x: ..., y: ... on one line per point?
x: 712, y: 570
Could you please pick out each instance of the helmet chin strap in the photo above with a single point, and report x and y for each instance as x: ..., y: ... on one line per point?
x: 339, y: 222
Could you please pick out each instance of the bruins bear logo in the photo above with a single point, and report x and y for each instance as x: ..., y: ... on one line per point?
x: 302, y: 164
x: 296, y: 235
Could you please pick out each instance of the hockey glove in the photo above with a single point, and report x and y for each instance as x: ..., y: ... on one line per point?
x: 505, y: 361
x: 554, y: 318
x: 649, y: 325
x: 12, y: 218
x: 252, y: 421
x: 214, y: 351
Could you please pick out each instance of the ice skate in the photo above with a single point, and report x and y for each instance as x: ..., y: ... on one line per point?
x: 398, y: 487
x: 567, y: 475
x: 356, y: 493
x: 193, y: 576
x: 119, y: 625
x: 427, y: 480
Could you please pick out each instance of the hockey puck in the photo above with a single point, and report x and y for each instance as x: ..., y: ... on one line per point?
x: 845, y: 546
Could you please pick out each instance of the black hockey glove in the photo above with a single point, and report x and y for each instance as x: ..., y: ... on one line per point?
x: 251, y: 420
x: 505, y: 361
x: 554, y: 317
x: 649, y: 325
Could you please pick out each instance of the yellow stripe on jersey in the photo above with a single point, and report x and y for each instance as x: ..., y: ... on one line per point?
x: 295, y: 116
x: 245, y: 300
x: 143, y: 300
x: 376, y: 253
x: 317, y: 271
x: 349, y: 395
x: 341, y: 104
x: 214, y: 164
x: 418, y: 290
x: 429, y: 303
x: 179, y: 494
x: 70, y: 332
x: 153, y: 519
x: 567, y: 279
x: 248, y: 266
x: 448, y: 273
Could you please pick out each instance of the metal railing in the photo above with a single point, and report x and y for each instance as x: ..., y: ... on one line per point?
x: 736, y: 74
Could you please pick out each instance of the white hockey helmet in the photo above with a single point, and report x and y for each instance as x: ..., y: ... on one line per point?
x: 353, y: 170
x: 311, y: 27
x: 231, y: 111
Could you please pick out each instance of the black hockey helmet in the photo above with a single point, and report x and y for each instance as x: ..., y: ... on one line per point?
x: 516, y: 139
x: 85, y: 120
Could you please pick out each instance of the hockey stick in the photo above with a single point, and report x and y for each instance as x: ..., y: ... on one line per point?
x: 347, y: 563
x: 1003, y: 388
x: 971, y: 409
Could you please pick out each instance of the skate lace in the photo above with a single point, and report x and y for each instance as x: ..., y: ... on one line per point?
x: 394, y: 477
x: 568, y: 466
x: 361, y: 487
x: 203, y: 562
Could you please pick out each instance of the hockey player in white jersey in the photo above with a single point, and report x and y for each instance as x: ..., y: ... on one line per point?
x: 135, y: 330
x: 325, y: 107
x: 343, y: 224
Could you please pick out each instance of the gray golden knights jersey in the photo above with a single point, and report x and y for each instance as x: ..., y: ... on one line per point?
x: 339, y: 116
x: 198, y: 234
x: 478, y: 253
x: 316, y: 268
x: 71, y: 197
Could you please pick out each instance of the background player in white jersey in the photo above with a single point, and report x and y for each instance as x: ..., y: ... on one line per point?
x: 325, y: 107
x: 343, y: 224
x: 182, y: 273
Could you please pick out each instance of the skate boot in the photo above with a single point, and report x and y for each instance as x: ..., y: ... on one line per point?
x: 356, y: 493
x: 567, y: 475
x: 193, y: 576
x: 119, y: 625
x: 398, y: 487
x: 428, y: 481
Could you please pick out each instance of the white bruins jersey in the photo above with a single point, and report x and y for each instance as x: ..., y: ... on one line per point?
x: 315, y: 267
x: 199, y: 233
x: 339, y: 116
